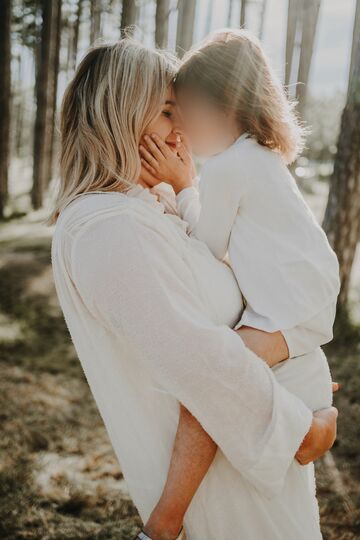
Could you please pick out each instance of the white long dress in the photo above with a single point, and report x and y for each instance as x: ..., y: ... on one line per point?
x: 150, y: 312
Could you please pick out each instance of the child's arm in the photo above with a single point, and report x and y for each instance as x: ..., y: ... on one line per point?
x: 220, y: 189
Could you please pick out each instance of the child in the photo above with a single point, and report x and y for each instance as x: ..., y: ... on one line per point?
x: 248, y: 206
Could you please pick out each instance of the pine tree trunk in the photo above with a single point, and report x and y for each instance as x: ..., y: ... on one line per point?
x: 209, y: 13
x: 74, y: 38
x: 292, y: 22
x: 95, y: 20
x: 128, y: 14
x: 230, y: 12
x: 262, y: 18
x: 356, y: 36
x: 342, y: 216
x: 53, y: 79
x: 185, y: 25
x: 243, y: 13
x: 162, y: 23
x: 46, y: 82
x: 309, y: 23
x: 5, y: 96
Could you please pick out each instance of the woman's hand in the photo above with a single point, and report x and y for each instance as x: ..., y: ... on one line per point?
x: 321, y: 436
x: 175, y: 168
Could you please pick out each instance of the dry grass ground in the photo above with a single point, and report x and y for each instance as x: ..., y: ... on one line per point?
x: 59, y: 479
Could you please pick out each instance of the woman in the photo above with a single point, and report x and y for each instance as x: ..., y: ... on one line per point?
x: 150, y: 312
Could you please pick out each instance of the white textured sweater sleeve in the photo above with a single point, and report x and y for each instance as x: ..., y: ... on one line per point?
x: 211, y: 209
x: 137, y: 283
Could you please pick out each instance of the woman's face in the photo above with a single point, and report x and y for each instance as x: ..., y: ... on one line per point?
x: 167, y: 123
x: 209, y: 129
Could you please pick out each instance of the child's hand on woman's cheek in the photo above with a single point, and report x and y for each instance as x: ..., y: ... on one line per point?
x: 175, y: 168
x: 147, y: 179
x: 184, y: 139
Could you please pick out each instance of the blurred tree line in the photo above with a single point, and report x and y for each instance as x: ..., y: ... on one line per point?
x: 49, y: 32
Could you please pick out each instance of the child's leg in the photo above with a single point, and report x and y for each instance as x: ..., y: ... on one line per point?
x: 193, y: 453
x: 194, y: 449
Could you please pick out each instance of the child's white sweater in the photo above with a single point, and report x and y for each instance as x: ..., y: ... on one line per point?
x: 248, y: 205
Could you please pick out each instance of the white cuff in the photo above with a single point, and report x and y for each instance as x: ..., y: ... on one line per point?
x: 188, y: 192
x: 288, y: 429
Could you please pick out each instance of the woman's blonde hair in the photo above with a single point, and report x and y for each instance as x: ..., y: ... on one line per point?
x: 116, y: 92
x: 231, y: 68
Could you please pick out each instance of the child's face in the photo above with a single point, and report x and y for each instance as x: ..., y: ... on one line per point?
x: 209, y: 129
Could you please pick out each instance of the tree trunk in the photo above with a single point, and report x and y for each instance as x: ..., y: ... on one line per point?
x: 185, y: 25
x: 243, y: 13
x: 356, y: 35
x: 75, y: 37
x: 342, y: 216
x: 128, y: 14
x: 310, y: 17
x: 230, y: 12
x: 46, y: 82
x: 95, y: 20
x: 5, y: 96
x: 53, y: 79
x: 262, y: 18
x: 162, y: 23
x: 292, y: 20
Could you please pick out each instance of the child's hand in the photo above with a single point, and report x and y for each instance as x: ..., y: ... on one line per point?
x: 147, y: 179
x: 186, y: 142
x: 175, y: 168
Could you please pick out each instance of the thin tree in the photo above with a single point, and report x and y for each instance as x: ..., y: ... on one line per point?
x: 185, y: 25
x: 209, y: 13
x: 356, y: 34
x: 243, y: 13
x: 292, y: 20
x: 5, y: 96
x: 53, y: 83
x: 262, y: 18
x: 75, y: 36
x: 162, y: 23
x: 95, y: 20
x: 230, y: 12
x: 45, y: 99
x: 342, y: 216
x: 128, y: 14
x: 310, y: 17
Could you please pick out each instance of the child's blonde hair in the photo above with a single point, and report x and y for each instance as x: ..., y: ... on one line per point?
x: 116, y: 92
x: 231, y: 68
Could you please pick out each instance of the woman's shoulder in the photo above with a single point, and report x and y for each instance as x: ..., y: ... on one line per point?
x: 112, y: 222
x: 101, y: 209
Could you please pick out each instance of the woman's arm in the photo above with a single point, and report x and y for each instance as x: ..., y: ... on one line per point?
x: 194, y: 450
x: 137, y: 283
x: 192, y: 456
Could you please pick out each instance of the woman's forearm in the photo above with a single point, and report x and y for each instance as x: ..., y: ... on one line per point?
x: 194, y: 450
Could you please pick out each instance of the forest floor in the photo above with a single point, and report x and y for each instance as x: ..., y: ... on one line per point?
x: 59, y: 478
